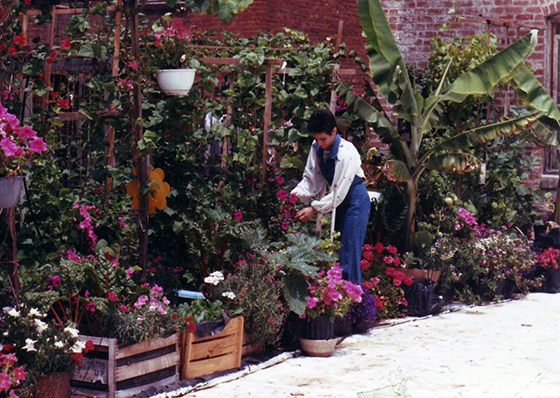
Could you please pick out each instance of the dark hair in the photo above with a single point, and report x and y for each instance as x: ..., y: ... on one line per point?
x: 322, y: 121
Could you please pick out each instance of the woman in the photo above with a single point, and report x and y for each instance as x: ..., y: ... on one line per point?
x: 336, y: 162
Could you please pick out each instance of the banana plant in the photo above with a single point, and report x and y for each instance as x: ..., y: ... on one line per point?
x: 390, y: 75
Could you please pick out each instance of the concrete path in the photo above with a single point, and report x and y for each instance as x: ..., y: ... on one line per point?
x: 509, y: 350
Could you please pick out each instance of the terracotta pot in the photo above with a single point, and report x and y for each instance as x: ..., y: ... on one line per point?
x: 318, y: 348
x: 12, y: 191
x: 175, y: 81
x: 55, y: 385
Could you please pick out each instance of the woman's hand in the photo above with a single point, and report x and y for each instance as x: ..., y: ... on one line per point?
x: 305, y: 214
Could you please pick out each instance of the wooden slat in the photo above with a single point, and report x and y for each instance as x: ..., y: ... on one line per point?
x: 234, y: 327
x: 214, y: 348
x: 152, y: 344
x: 151, y: 365
x: 97, y: 341
x: 212, y: 365
x: 135, y: 391
x: 79, y: 392
x: 237, y: 61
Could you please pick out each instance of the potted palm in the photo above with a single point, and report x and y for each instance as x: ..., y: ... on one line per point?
x: 18, y: 145
x: 169, y: 54
x: 330, y: 297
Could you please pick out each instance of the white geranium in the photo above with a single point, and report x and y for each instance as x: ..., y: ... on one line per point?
x: 214, y: 278
x: 41, y: 326
x: 29, y: 345
x: 12, y: 312
x: 73, y: 332
x: 59, y: 344
x: 78, y: 347
x: 229, y: 295
x: 34, y: 312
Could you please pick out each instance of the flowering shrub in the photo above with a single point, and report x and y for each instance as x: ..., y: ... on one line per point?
x: 331, y: 295
x: 548, y: 258
x: 254, y: 290
x: 10, y: 375
x: 149, y: 317
x: 39, y: 345
x: 18, y: 144
x: 383, y: 277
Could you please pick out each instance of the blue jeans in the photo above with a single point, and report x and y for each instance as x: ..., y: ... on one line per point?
x: 351, y: 221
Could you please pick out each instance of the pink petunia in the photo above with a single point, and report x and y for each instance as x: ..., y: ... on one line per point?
x: 66, y: 44
x: 26, y: 132
x: 312, y: 302
x: 5, y: 381
x: 112, y: 297
x: 133, y: 65
x: 285, y: 225
x: 156, y: 291
x: 10, y: 148
x: 282, y: 195
x: 293, y: 199
x: 238, y: 216
x: 37, y: 145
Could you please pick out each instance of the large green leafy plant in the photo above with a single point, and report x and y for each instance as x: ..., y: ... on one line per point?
x: 419, y: 114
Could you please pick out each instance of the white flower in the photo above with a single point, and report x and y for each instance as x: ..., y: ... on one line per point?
x: 12, y: 312
x: 59, y: 344
x: 229, y: 295
x: 41, y: 326
x: 73, y: 332
x: 29, y: 345
x: 214, y: 278
x: 78, y: 347
x: 34, y: 312
x: 183, y: 58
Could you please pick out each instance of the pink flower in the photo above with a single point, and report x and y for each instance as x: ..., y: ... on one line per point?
x: 133, y: 65
x: 392, y: 249
x: 312, y: 302
x: 37, y: 145
x: 368, y: 256
x: 293, y: 199
x: 66, y: 44
x: 129, y: 273
x: 354, y: 291
x: 162, y: 309
x: 141, y: 301
x: 282, y: 195
x: 388, y: 260
x: 63, y: 103
x: 122, y: 223
x: 396, y: 282
x: 367, y: 248
x: 156, y: 291
x: 280, y: 180
x: 55, y: 281
x: 271, y: 321
x: 365, y: 264
x: 5, y: 381
x: 26, y: 132
x: 238, y: 216
x: 19, y: 373
x: 378, y: 303
x: 10, y: 148
x: 379, y: 247
x: 285, y: 225
x: 90, y: 306
x: 112, y: 297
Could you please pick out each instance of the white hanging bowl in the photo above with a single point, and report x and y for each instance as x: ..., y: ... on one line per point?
x: 175, y: 81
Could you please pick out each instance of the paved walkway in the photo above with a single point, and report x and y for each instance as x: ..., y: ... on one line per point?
x: 509, y: 350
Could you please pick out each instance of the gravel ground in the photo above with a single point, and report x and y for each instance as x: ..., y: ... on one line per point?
x: 510, y: 350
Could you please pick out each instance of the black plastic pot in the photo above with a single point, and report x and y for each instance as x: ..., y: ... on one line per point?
x: 320, y: 328
x: 551, y: 282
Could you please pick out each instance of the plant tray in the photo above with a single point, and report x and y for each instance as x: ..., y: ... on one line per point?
x: 112, y: 372
x: 207, y: 355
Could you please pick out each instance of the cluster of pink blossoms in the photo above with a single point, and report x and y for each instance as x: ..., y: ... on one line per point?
x: 86, y: 224
x: 177, y: 30
x: 469, y: 219
x: 548, y: 258
x: 17, y: 143
x: 154, y: 303
x: 330, y: 292
x: 10, y: 376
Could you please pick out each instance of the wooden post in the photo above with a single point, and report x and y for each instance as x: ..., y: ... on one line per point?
x: 13, y: 265
x: 225, y: 145
x: 48, y: 66
x: 114, y: 72
x: 332, y: 105
x: 267, y: 117
x: 143, y: 170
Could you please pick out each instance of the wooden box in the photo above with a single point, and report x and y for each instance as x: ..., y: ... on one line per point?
x: 112, y: 372
x: 207, y: 355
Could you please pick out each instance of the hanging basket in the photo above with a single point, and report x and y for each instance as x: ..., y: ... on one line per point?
x: 55, y: 385
x: 11, y: 191
x: 175, y: 81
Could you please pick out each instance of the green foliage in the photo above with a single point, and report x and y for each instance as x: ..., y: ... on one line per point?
x: 200, y: 311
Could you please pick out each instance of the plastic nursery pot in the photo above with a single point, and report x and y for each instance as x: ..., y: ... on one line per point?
x: 175, y: 81
x: 12, y: 190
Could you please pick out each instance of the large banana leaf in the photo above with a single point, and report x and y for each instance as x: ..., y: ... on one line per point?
x: 398, y: 171
x: 382, y: 126
x: 541, y: 135
x: 498, y: 69
x: 485, y: 133
x: 385, y: 57
x: 453, y: 162
x: 535, y: 96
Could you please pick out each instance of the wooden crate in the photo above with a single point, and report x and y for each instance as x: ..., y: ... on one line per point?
x: 112, y: 372
x: 207, y: 355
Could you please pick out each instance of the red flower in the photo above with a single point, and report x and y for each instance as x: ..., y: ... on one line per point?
x: 175, y: 316
x: 89, y: 346
x: 365, y: 264
x: 63, y: 103
x: 51, y: 58
x: 54, y: 94
x: 190, y: 325
x: 78, y: 359
x: 408, y: 281
x: 379, y: 247
x: 12, y: 51
x: 378, y: 303
x: 124, y: 308
x: 66, y: 44
x: 396, y: 282
x: 152, y: 270
x: 98, y: 191
x: 271, y: 321
x: 8, y: 347
x: 112, y: 297
x: 27, y: 2
x: 392, y: 249
x: 404, y: 302
x: 20, y: 40
x: 285, y: 225
x: 368, y: 256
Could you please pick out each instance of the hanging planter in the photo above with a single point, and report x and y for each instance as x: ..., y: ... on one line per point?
x: 11, y: 191
x: 176, y: 82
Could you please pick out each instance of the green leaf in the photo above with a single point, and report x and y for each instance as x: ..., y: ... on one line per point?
x: 453, y: 162
x: 295, y: 292
x: 398, y: 170
x: 497, y: 69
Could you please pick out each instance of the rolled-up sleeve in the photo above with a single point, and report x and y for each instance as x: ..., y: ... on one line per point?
x: 313, y: 181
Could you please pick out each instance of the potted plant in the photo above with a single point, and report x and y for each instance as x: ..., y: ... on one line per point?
x: 547, y: 261
x: 169, y: 55
x: 18, y: 144
x: 46, y: 351
x: 330, y: 297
